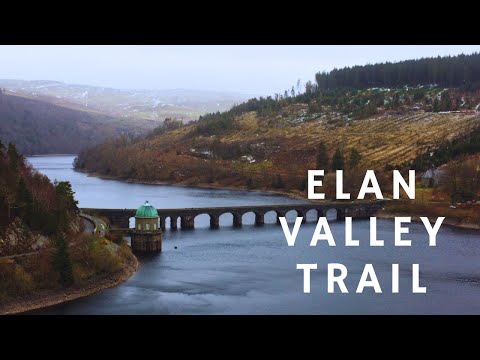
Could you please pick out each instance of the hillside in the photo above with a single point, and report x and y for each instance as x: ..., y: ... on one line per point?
x: 256, y: 151
x: 38, y: 127
x: 45, y: 256
x: 270, y: 143
x: 155, y: 105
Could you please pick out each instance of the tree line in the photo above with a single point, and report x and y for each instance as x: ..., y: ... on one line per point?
x: 449, y: 71
x: 448, y: 150
x: 41, y: 206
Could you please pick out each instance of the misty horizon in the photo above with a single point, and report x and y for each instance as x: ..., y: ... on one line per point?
x: 134, y: 89
x: 243, y: 69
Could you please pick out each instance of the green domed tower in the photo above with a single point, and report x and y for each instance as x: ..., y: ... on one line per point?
x: 147, y: 235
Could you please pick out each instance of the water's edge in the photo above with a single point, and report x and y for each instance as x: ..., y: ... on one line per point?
x: 45, y: 299
x: 380, y: 214
x: 446, y: 222
x: 192, y: 186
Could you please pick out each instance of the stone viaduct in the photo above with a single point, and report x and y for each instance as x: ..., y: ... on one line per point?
x: 119, y: 218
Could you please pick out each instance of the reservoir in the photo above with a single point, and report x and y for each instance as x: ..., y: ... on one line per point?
x: 251, y: 270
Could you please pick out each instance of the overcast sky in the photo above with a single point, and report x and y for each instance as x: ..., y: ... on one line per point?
x: 247, y: 69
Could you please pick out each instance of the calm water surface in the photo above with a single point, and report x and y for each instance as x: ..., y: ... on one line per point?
x: 251, y: 270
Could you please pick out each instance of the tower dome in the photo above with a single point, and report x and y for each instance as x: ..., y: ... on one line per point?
x: 146, y: 236
x: 146, y: 211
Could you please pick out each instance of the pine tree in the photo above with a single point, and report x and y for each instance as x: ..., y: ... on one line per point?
x: 436, y: 105
x: 24, y: 200
x: 322, y: 157
x: 62, y: 263
x: 337, y: 161
x: 445, y: 101
x: 355, y: 158
x: 13, y: 157
x: 277, y: 182
x: 66, y: 195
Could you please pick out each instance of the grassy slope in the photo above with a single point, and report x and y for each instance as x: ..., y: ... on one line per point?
x: 279, y: 147
x: 385, y: 139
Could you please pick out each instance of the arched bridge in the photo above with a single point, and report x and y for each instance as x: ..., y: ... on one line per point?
x: 120, y: 218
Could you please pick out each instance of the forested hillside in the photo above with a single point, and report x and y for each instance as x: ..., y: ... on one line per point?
x: 29, y: 197
x: 270, y: 143
x: 42, y: 245
x: 451, y: 71
x: 38, y: 127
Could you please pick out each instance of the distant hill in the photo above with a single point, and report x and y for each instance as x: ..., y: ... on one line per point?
x: 182, y: 104
x: 39, y: 127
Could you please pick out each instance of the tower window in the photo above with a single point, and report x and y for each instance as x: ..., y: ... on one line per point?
x: 139, y: 226
x: 147, y: 226
x: 154, y: 226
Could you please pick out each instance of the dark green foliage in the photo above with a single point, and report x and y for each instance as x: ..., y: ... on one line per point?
x: 168, y: 124
x: 220, y: 123
x: 445, y: 102
x: 449, y: 71
x: 337, y: 160
x: 24, y: 200
x: 62, y: 263
x: 31, y: 196
x: 42, y: 220
x: 224, y: 151
x: 66, y: 195
x: 215, y: 123
x: 314, y: 108
x: 13, y: 157
x: 366, y: 111
x: 355, y: 158
x: 447, y: 151
x: 277, y: 182
x: 322, y: 157
x: 436, y: 105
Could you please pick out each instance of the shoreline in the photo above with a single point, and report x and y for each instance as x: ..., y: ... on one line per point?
x: 198, y: 186
x: 448, y: 222
x: 47, y: 298
x: 383, y: 214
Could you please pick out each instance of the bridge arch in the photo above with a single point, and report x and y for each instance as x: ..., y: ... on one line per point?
x: 253, y: 217
x: 311, y: 215
x: 331, y: 214
x: 291, y: 215
x: 225, y: 219
x: 270, y: 217
x: 248, y: 218
x: 229, y: 218
x: 203, y: 220
x: 335, y: 213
